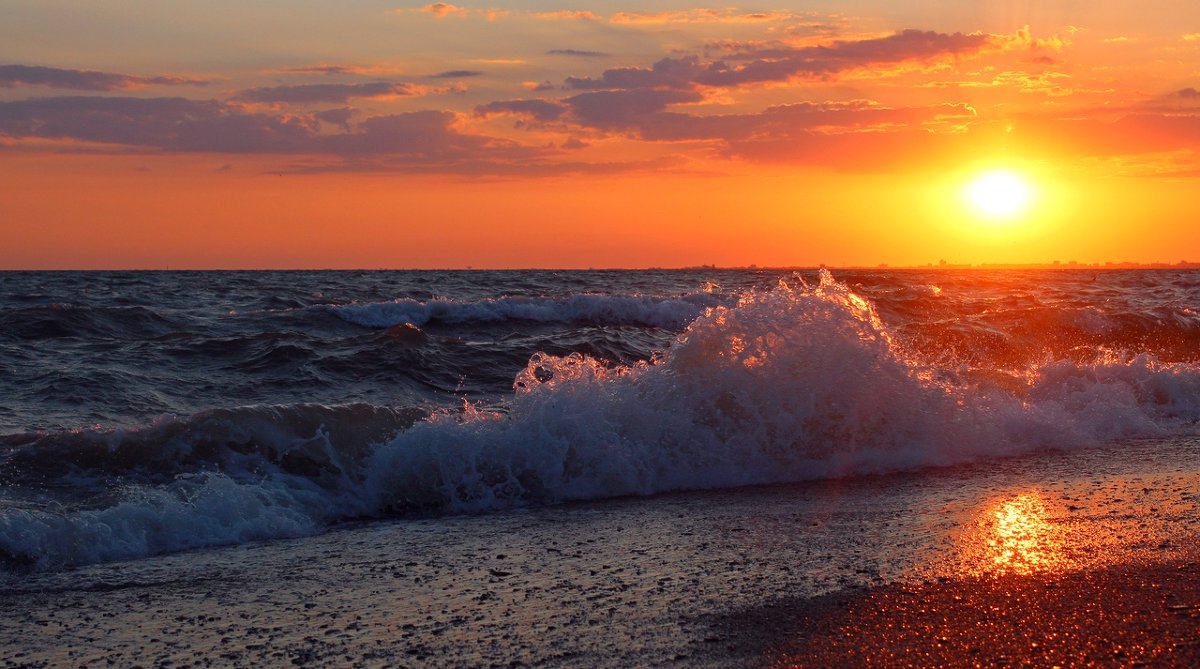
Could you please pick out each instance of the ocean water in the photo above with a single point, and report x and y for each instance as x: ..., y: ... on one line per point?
x: 150, y: 412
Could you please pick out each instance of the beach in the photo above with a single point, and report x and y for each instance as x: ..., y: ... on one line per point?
x: 1054, y: 558
x: 599, y: 335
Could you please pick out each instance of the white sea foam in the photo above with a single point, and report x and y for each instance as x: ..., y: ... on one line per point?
x: 790, y: 384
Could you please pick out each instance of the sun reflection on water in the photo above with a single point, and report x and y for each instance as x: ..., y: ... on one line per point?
x: 1015, y: 536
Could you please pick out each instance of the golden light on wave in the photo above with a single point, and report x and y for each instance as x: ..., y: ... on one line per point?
x: 999, y: 194
x: 1015, y: 536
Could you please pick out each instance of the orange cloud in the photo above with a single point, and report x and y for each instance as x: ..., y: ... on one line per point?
x: 568, y: 15
x: 443, y: 9
x: 702, y: 15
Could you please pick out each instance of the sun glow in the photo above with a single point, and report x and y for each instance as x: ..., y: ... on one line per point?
x: 999, y: 194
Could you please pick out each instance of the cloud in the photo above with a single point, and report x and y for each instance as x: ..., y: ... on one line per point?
x: 577, y: 53
x: 751, y: 64
x: 1187, y: 94
x: 667, y: 73
x: 427, y: 134
x: 163, y: 123
x: 781, y: 64
x: 456, y: 74
x: 644, y: 114
x: 329, y: 70
x: 83, y: 80
x: 627, y: 109
x: 1044, y: 60
x: 443, y: 9
x: 702, y: 15
x: 339, y: 117
x: 323, y: 93
x: 423, y: 140
x: 568, y: 15
x: 539, y: 110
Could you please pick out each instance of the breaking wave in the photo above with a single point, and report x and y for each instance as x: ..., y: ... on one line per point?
x: 793, y: 383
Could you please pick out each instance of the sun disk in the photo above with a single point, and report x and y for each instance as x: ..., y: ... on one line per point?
x: 999, y: 194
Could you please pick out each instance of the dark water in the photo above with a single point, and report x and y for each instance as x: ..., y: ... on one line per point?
x: 143, y: 412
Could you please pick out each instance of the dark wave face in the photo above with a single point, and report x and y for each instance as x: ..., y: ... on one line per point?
x: 146, y: 412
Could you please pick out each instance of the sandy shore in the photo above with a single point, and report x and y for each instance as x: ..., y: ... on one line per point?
x: 1088, y: 555
x: 1126, y: 615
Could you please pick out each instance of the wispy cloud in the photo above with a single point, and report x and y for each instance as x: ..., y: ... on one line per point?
x: 324, y: 93
x: 332, y: 70
x: 429, y: 139
x: 577, y: 53
x: 84, y: 80
x: 456, y: 74
x: 703, y: 15
x: 753, y: 64
x: 568, y: 15
x: 540, y: 110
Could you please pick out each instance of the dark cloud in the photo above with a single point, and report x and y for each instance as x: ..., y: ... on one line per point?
x: 456, y: 74
x: 667, y: 73
x: 425, y: 135
x: 323, y: 93
x: 751, y: 64
x: 624, y: 110
x: 164, y: 123
x: 322, y: 69
x: 1188, y: 94
x: 577, y: 53
x: 83, y: 80
x: 540, y: 110
x: 426, y: 139
x: 339, y: 117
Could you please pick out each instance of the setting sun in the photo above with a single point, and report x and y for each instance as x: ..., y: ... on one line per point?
x: 999, y: 194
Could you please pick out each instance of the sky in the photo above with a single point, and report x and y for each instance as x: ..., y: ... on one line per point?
x: 373, y: 134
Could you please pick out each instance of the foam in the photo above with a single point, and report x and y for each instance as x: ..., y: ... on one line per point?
x: 789, y: 384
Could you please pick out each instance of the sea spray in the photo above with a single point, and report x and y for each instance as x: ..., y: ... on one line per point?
x: 790, y: 383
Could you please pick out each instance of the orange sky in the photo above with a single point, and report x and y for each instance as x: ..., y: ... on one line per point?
x: 379, y: 135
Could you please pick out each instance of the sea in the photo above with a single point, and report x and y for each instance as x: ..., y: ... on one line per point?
x: 152, y: 412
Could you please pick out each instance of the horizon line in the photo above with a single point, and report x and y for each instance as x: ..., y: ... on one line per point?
x: 940, y: 265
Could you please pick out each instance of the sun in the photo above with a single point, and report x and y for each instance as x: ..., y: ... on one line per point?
x: 999, y: 194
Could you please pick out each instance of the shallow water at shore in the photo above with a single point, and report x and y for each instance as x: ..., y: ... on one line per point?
x: 637, y: 581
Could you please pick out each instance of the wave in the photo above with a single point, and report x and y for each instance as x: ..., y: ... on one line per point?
x: 663, y: 312
x: 60, y: 320
x: 794, y: 383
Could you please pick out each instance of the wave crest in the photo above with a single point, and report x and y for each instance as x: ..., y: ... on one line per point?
x: 792, y: 383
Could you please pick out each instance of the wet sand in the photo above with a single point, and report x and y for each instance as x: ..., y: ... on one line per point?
x: 1088, y: 555
x: 1127, y: 615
